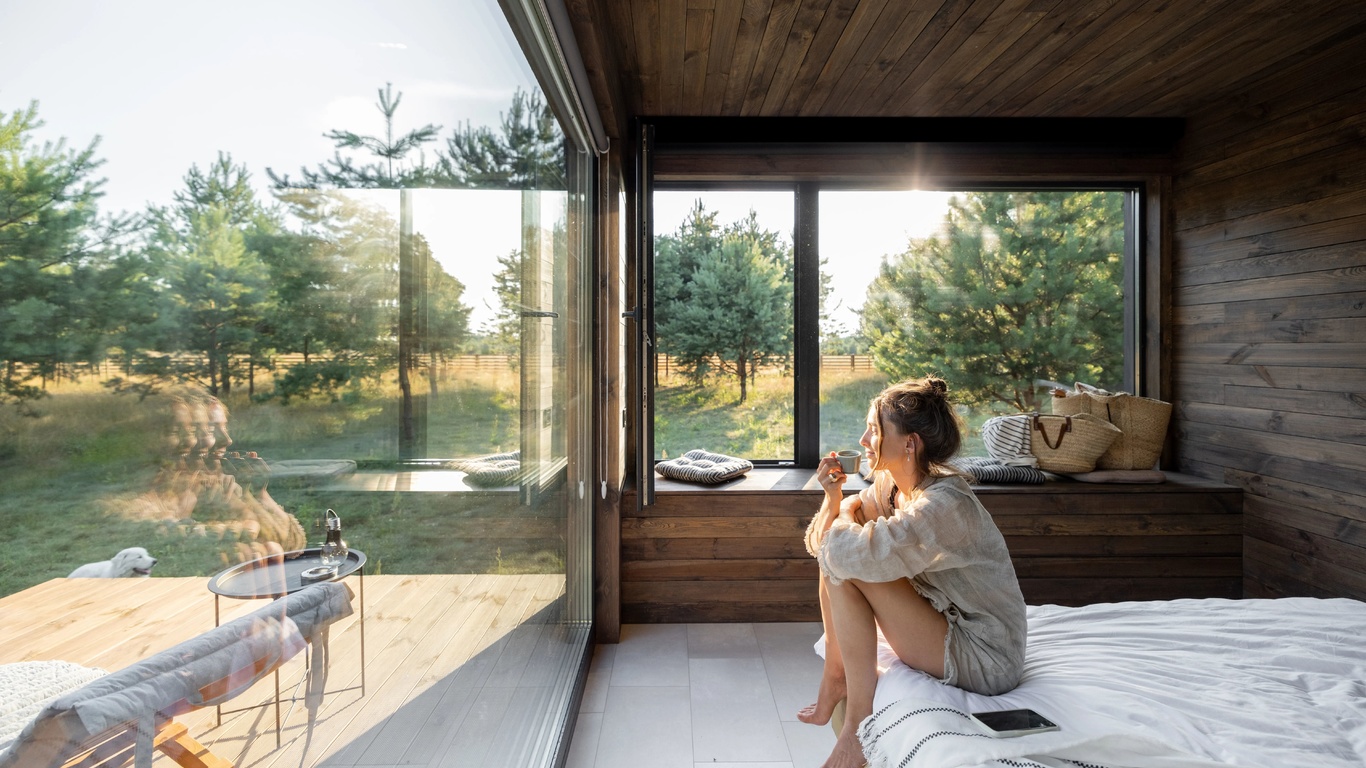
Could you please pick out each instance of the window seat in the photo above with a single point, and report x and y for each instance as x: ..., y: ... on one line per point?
x: 734, y: 552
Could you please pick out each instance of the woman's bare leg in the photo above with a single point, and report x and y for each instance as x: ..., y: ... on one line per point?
x: 833, y: 686
x: 912, y: 627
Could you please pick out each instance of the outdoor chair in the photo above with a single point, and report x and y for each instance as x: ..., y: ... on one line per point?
x: 122, y: 718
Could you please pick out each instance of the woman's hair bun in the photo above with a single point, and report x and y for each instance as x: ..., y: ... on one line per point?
x: 937, y: 385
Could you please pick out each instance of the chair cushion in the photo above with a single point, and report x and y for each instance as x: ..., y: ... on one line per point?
x: 204, y: 670
x: 699, y: 466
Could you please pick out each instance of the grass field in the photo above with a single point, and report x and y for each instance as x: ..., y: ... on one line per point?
x: 68, y: 476
x: 709, y: 418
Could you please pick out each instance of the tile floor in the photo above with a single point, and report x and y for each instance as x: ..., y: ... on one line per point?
x: 695, y: 695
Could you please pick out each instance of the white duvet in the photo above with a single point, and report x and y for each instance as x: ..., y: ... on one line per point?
x: 1164, y: 684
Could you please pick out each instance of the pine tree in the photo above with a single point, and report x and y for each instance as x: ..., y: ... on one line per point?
x: 63, y: 271
x: 527, y: 152
x: 1021, y: 286
x: 390, y: 165
x: 336, y: 286
x: 723, y: 297
x: 504, y: 334
x: 217, y: 288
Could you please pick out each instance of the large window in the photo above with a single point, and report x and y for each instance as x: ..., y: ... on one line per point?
x: 1004, y: 292
x: 1000, y: 292
x: 262, y: 261
x: 723, y: 323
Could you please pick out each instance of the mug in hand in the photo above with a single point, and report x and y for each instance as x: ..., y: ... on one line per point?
x: 849, y: 461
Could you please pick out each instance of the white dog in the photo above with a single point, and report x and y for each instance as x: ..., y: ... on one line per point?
x: 133, y: 561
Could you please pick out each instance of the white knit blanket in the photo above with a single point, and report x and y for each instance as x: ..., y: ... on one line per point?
x: 27, y: 686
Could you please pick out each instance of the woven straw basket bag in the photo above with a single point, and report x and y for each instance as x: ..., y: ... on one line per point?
x: 1070, y: 444
x: 1142, y: 420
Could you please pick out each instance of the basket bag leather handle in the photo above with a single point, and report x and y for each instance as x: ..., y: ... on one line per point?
x: 1066, y: 427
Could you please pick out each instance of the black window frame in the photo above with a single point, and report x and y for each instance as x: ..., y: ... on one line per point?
x: 1144, y: 143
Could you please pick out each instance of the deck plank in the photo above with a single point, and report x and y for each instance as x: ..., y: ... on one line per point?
x: 444, y: 654
x: 68, y: 607
x: 404, y: 663
x: 386, y: 643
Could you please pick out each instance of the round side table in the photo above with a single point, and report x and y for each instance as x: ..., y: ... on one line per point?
x: 275, y: 576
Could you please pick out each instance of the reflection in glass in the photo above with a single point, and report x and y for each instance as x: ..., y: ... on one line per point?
x: 358, y: 285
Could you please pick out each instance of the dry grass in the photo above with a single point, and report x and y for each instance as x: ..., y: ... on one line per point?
x: 66, y: 471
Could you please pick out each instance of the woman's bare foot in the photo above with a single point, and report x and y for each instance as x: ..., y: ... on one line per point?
x: 848, y: 752
x: 833, y: 690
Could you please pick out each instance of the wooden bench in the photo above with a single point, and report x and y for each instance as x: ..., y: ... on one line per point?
x: 735, y: 553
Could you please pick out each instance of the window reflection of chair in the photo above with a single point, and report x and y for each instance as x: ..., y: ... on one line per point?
x: 122, y: 718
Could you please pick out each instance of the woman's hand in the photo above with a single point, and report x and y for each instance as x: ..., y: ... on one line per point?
x: 831, y: 477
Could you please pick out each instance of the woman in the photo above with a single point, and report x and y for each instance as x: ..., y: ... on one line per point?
x: 915, y: 555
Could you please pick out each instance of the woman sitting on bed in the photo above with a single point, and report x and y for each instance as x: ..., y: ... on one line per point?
x: 915, y: 555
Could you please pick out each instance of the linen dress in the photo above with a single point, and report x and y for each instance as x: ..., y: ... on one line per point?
x: 946, y: 543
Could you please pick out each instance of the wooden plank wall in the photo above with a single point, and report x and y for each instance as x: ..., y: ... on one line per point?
x: 1269, y: 298
x: 706, y: 555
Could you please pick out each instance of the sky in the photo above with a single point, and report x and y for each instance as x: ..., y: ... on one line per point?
x: 166, y: 84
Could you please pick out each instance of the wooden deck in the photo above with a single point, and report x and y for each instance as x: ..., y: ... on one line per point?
x: 460, y: 669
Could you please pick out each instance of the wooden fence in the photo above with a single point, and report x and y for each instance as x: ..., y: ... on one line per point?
x: 116, y: 365
x: 667, y: 366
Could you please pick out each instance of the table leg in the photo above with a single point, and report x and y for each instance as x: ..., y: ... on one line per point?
x: 277, y: 707
x: 218, y: 708
x: 362, y: 631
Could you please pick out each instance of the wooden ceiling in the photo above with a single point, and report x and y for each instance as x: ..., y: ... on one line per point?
x: 948, y: 58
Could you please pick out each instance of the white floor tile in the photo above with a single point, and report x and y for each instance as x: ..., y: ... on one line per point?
x: 651, y: 655
x: 733, y: 715
x: 583, y: 745
x: 794, y: 669
x: 604, y: 654
x: 731, y: 699
x: 722, y: 641
x: 646, y: 727
x: 599, y: 676
x: 809, y: 745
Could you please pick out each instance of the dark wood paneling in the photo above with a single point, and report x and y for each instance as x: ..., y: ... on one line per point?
x: 737, y: 554
x: 1001, y: 58
x: 609, y: 435
x: 1270, y: 283
x: 931, y: 167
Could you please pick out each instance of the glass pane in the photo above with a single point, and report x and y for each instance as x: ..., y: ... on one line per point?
x: 723, y: 323
x: 998, y: 292
x: 338, y: 261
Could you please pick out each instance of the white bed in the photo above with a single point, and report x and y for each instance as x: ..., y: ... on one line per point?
x: 1268, y: 683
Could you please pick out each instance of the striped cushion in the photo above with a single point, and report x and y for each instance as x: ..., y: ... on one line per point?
x: 702, y: 467
x: 493, y: 471
x: 987, y: 470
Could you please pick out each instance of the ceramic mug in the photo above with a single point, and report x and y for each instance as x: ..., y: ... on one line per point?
x: 849, y: 461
